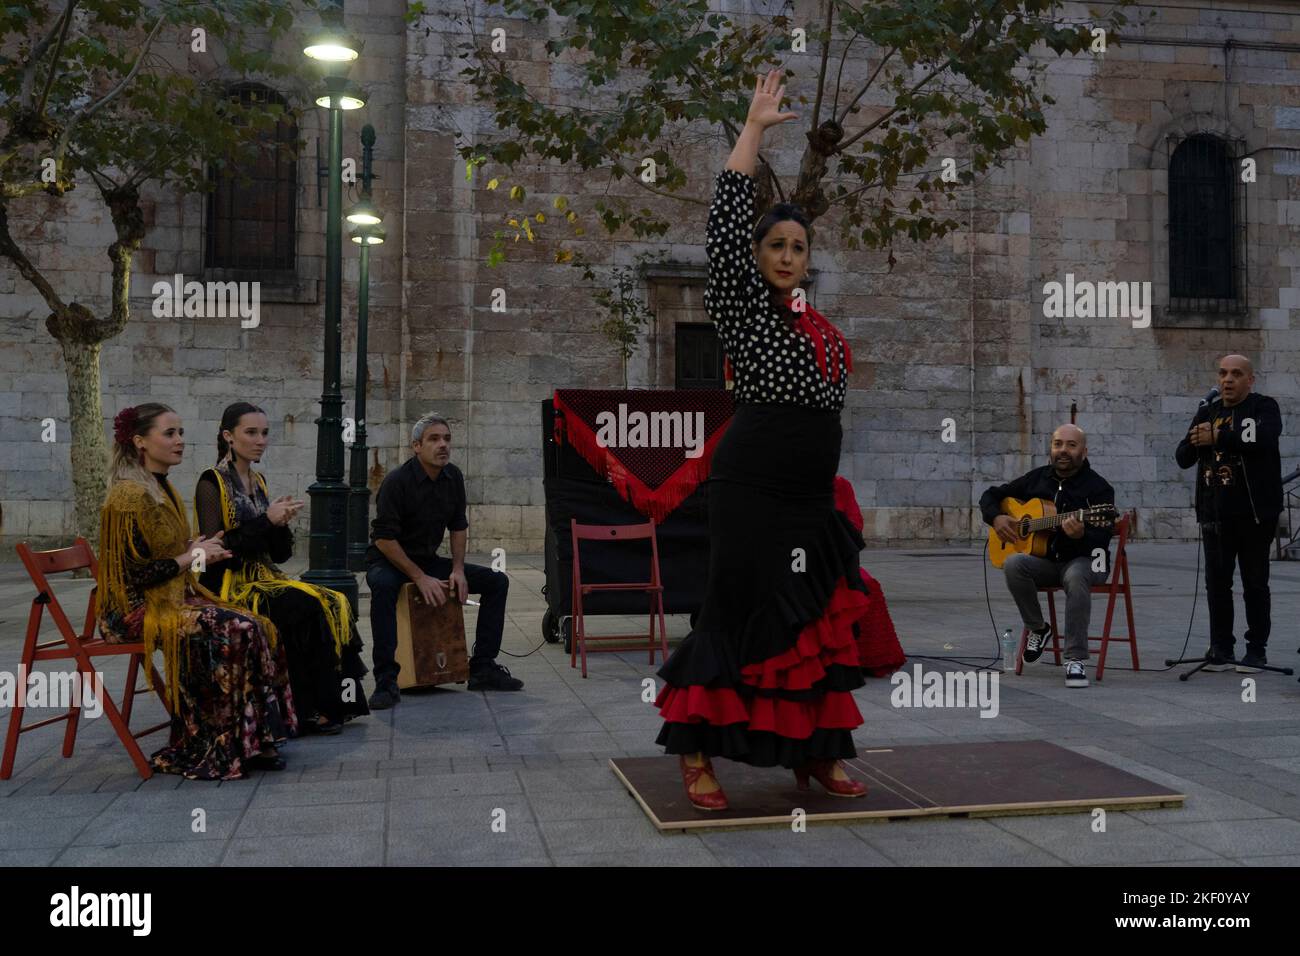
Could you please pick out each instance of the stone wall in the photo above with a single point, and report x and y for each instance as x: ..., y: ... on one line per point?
x: 956, y: 330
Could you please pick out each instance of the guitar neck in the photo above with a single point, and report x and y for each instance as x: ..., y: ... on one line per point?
x: 1048, y: 522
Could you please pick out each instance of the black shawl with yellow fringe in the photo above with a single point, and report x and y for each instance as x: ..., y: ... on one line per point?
x: 251, y: 577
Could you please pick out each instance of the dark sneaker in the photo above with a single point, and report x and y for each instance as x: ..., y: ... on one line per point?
x: 1217, y: 659
x: 385, y: 697
x: 492, y: 676
x: 1252, y: 662
x: 1076, y: 675
x: 1037, y: 641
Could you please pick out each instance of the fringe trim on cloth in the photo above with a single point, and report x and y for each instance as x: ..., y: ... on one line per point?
x: 655, y: 503
x: 129, y: 507
x: 248, y: 587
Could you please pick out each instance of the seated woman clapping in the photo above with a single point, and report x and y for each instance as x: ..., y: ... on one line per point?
x: 315, y: 624
x: 227, y: 687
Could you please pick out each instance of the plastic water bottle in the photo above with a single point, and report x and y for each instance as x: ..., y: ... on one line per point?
x: 1009, y: 648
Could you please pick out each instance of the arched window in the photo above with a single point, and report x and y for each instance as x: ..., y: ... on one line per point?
x: 252, y: 211
x: 1205, y: 260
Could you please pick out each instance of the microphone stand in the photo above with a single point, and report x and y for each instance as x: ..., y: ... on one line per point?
x: 1204, y: 464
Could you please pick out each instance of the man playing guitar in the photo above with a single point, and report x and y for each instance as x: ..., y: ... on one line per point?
x: 1077, y: 557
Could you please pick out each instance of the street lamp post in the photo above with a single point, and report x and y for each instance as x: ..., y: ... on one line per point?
x: 327, y: 551
x: 367, y: 231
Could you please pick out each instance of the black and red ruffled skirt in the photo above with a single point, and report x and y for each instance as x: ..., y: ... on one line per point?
x: 767, y: 674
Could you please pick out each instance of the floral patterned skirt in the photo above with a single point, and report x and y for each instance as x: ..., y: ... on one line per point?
x: 234, y: 693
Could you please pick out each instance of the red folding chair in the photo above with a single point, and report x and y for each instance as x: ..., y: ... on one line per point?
x: 1117, y: 587
x: 80, y: 647
x: 653, y: 587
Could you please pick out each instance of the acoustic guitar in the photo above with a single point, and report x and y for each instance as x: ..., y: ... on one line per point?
x: 1036, y: 519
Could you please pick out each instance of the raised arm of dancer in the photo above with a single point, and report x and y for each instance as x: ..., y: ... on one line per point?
x: 764, y: 111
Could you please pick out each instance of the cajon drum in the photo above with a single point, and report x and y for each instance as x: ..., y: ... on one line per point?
x: 430, y: 641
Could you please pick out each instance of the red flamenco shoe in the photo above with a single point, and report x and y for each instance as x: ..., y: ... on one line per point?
x: 820, y: 770
x: 716, y: 800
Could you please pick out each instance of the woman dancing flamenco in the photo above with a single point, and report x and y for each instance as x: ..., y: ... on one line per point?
x: 766, y: 675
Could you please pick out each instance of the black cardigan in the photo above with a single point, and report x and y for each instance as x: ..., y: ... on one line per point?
x: 256, y: 541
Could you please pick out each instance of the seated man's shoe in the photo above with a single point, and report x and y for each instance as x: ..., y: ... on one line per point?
x: 1076, y: 674
x: 1252, y: 662
x: 1036, y: 642
x: 1218, y: 659
x: 384, y: 697
x: 492, y: 676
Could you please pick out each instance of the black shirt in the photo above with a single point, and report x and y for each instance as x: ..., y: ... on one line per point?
x: 415, y: 510
x: 1253, y: 469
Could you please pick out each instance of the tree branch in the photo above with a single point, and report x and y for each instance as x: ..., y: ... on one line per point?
x: 821, y: 74
x: 839, y: 74
x: 54, y: 60
x: 91, y: 108
x: 38, y: 53
x: 658, y: 192
x: 854, y: 102
x: 840, y: 147
x: 9, y: 249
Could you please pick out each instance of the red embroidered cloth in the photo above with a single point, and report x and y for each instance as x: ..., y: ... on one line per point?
x: 654, y: 446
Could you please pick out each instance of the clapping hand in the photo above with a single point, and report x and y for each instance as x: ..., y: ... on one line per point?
x: 282, y: 510
x: 214, y: 551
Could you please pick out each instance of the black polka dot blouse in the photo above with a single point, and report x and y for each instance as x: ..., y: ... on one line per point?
x: 773, y: 362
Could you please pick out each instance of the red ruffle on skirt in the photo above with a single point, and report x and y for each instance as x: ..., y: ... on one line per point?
x: 829, y: 640
x: 879, y: 652
x: 720, y: 706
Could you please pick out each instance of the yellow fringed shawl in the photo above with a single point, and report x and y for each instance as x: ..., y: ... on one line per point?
x: 131, y: 506
x: 250, y: 585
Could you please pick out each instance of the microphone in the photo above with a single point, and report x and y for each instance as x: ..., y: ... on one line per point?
x: 1210, y: 396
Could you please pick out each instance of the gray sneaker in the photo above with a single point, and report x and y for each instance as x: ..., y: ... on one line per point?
x: 1218, y: 659
x: 1076, y: 674
x: 1252, y: 662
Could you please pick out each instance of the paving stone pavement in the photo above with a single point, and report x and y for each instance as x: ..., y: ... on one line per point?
x: 422, y: 783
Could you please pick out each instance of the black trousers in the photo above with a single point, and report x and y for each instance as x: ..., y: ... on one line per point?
x: 1229, y: 544
x: 385, y: 581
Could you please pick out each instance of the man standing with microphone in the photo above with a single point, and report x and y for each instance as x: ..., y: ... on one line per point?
x: 1233, y: 442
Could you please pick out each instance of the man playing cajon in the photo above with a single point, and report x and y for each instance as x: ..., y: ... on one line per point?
x: 417, y: 503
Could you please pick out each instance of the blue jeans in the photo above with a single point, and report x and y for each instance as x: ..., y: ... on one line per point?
x: 385, y: 581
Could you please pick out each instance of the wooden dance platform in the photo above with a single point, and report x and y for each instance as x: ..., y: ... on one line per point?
x: 1005, y: 778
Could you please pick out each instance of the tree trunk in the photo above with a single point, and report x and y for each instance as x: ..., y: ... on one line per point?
x: 89, y: 449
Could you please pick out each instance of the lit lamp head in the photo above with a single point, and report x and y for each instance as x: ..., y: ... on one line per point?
x: 333, y: 47
x: 364, y: 213
x: 367, y: 235
x: 345, y: 94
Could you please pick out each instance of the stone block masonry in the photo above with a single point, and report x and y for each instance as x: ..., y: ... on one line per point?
x: 954, y: 331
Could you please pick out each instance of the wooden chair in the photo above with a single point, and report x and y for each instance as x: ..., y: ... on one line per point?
x: 653, y: 587
x: 82, y: 647
x: 1117, y: 587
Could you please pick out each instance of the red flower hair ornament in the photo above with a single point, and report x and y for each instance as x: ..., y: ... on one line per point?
x: 124, y: 425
